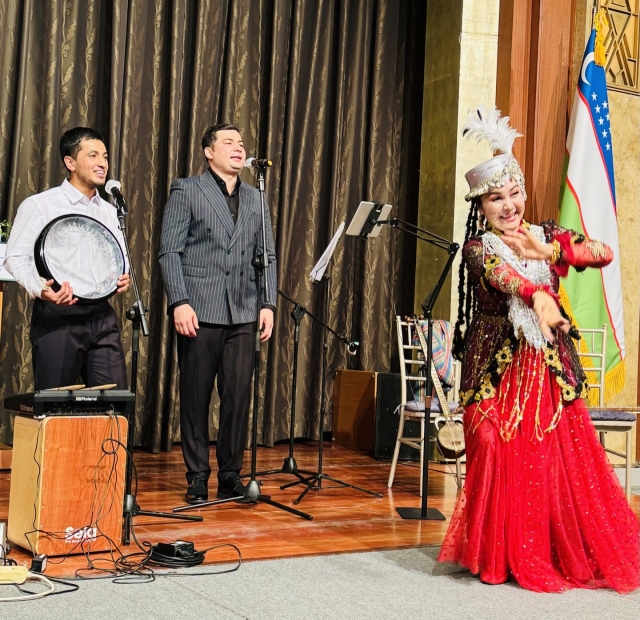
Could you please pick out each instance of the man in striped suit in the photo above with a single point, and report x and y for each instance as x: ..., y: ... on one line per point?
x: 210, y: 233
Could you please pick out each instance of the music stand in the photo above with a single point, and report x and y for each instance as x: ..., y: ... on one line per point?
x: 366, y: 222
x: 290, y: 466
x: 314, y: 482
x: 369, y: 224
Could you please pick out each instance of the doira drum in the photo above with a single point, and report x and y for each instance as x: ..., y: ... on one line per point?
x: 82, y: 251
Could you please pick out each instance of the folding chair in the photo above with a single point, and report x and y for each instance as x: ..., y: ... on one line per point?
x: 610, y: 419
x: 413, y: 409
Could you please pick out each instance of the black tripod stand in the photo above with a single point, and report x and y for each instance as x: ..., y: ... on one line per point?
x: 314, y: 483
x: 290, y: 466
x: 252, y: 493
x: 424, y: 513
x: 137, y: 315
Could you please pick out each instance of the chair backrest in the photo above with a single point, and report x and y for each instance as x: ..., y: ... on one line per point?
x: 592, y: 350
x: 412, y: 362
x: 457, y: 373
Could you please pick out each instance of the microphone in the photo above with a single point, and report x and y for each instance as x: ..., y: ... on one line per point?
x: 113, y: 189
x: 252, y: 162
x: 352, y: 348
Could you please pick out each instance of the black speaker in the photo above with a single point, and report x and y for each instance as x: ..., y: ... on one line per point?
x: 388, y: 397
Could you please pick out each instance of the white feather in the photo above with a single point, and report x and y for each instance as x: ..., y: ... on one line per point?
x: 492, y: 127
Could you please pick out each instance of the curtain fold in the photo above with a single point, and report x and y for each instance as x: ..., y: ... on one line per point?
x: 329, y: 90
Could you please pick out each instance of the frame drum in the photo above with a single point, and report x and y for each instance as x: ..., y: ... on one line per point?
x: 82, y: 251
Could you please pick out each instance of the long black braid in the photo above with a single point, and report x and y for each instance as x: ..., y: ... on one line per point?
x: 466, y: 295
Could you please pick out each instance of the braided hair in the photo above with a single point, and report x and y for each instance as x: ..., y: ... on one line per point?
x: 466, y: 295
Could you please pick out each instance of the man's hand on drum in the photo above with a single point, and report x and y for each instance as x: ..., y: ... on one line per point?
x: 185, y: 320
x: 64, y: 297
x: 123, y: 283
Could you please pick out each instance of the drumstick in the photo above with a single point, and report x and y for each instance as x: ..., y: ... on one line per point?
x: 67, y: 387
x: 106, y: 386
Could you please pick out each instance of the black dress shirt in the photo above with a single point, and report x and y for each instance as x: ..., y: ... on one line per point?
x: 233, y: 198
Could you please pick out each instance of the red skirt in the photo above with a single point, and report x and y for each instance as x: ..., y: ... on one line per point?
x: 541, y: 503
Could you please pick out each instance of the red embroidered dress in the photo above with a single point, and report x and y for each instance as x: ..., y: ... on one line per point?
x: 541, y: 503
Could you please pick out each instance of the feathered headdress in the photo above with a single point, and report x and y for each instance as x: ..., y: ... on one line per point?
x: 491, y: 127
x: 494, y: 172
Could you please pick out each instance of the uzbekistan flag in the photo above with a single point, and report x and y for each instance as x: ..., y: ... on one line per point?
x: 588, y: 206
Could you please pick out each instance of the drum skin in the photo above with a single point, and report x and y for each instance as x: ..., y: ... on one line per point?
x: 82, y: 251
x: 450, y: 436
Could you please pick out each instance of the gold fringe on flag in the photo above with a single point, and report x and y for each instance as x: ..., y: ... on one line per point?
x: 614, y: 380
x: 600, y: 23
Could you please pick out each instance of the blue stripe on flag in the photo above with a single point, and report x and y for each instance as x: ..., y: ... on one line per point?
x: 593, y: 87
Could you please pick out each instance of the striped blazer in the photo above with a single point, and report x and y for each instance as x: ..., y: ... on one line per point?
x: 206, y: 259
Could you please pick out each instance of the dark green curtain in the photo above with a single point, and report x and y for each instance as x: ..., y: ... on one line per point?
x: 330, y: 91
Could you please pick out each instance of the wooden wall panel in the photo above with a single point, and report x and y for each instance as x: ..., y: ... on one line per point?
x: 534, y: 55
x: 514, y: 40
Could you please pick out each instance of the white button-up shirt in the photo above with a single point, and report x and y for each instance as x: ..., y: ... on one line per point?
x: 35, y: 213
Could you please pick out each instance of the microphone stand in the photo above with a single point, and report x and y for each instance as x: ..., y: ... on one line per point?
x: 252, y: 493
x: 297, y: 314
x: 290, y: 466
x: 314, y: 482
x: 137, y: 315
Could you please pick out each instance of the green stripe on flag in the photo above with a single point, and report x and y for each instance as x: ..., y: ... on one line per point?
x: 586, y: 311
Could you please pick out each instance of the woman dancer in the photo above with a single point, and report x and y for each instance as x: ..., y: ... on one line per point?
x: 541, y: 502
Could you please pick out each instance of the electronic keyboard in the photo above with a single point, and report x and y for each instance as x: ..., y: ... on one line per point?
x: 71, y: 402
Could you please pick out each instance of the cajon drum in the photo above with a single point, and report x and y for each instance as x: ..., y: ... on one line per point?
x: 66, y: 493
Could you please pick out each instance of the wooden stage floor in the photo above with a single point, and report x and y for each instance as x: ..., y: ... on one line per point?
x: 344, y: 520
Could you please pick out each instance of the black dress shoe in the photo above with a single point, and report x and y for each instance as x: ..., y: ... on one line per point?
x: 197, y: 491
x: 233, y: 487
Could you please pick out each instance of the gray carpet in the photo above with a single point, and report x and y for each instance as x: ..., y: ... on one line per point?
x: 403, y: 584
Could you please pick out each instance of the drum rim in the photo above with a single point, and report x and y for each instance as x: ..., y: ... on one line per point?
x: 41, y: 263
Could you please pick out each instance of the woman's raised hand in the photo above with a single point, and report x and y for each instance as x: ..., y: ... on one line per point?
x: 527, y: 245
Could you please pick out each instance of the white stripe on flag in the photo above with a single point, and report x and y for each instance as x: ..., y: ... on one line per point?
x: 588, y: 176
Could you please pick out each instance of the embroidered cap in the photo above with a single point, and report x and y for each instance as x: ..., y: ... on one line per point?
x: 495, y: 171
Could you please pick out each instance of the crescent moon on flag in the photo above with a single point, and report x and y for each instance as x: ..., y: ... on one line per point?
x: 589, y: 58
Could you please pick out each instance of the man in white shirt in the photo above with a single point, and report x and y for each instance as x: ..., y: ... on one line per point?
x: 68, y: 340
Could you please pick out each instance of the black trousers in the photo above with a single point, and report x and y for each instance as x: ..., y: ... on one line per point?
x: 76, y: 342
x: 225, y: 352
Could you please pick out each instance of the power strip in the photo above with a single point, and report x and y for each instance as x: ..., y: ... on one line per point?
x: 13, y: 575
x: 17, y: 575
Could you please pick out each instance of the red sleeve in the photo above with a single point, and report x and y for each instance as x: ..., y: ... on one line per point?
x: 575, y: 250
x: 499, y: 274
x: 506, y: 279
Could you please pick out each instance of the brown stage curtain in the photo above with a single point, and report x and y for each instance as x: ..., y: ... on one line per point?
x: 330, y: 91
